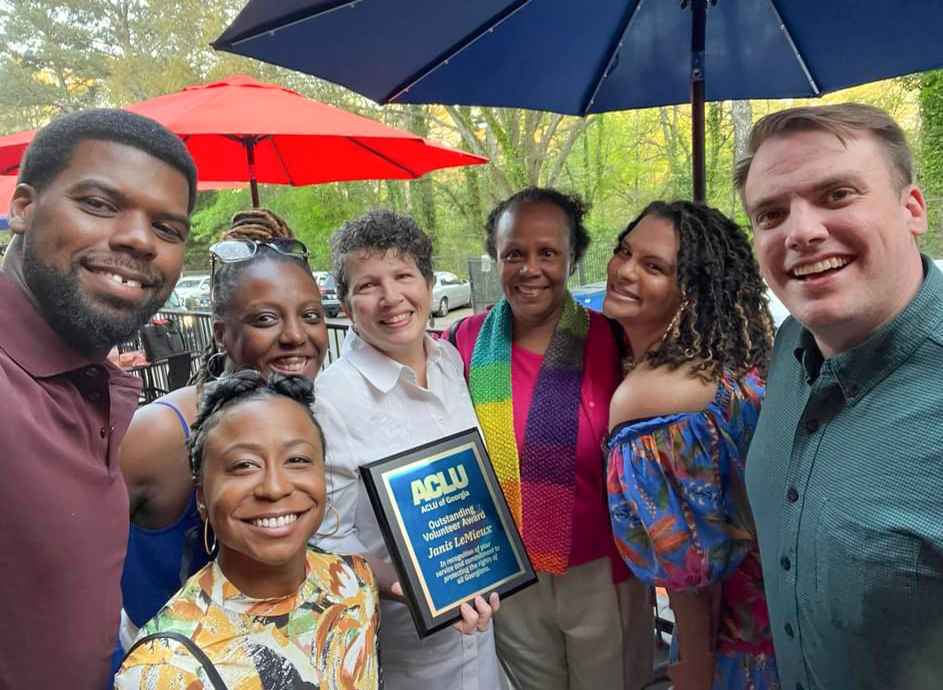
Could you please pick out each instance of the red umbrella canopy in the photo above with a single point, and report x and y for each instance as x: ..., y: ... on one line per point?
x: 297, y: 140
x: 228, y: 125
x: 7, y: 183
x: 12, y: 147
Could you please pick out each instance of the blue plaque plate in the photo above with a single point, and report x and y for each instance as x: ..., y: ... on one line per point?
x: 447, y: 527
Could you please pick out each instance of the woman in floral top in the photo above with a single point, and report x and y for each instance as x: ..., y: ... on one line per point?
x: 268, y: 613
x: 683, y: 285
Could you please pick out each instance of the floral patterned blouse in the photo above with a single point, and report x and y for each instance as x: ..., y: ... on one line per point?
x: 680, y: 517
x: 322, y: 638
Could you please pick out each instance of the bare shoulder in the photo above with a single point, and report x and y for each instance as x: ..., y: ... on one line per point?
x: 156, y: 437
x: 653, y: 392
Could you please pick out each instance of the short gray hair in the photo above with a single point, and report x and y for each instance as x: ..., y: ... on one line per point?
x: 378, y: 232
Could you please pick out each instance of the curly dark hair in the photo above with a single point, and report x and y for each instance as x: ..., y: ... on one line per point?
x: 724, y: 322
x: 260, y: 225
x: 378, y: 232
x: 243, y: 386
x: 571, y: 204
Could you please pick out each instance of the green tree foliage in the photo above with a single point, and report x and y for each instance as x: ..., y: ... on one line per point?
x: 931, y: 155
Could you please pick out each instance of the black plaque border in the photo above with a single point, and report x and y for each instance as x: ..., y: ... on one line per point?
x: 410, y: 576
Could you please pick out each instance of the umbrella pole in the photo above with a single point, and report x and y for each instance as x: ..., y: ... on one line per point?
x: 698, y: 29
x: 697, y: 141
x: 253, y: 184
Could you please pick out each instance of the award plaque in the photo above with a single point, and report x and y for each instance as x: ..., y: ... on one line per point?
x: 447, y: 527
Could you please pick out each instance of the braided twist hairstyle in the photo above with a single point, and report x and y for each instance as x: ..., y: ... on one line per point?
x: 257, y: 225
x: 243, y: 386
x: 724, y: 321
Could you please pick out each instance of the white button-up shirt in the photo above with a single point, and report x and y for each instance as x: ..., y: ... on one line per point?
x: 370, y: 407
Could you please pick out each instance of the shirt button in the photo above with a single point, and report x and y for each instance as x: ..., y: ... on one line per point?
x: 91, y: 371
x: 789, y: 630
x: 792, y: 495
x: 812, y: 425
x: 785, y: 563
x: 103, y: 432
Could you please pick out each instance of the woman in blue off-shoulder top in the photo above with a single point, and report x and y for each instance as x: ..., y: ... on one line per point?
x: 683, y: 284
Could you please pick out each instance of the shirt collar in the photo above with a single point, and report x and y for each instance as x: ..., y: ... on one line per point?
x: 381, y: 371
x: 28, y: 338
x: 864, y: 366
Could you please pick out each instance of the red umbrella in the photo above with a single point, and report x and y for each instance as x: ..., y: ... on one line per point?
x: 242, y: 129
x: 7, y: 183
x: 12, y: 147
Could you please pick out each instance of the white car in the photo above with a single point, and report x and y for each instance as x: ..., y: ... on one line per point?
x: 189, y: 288
x: 449, y: 292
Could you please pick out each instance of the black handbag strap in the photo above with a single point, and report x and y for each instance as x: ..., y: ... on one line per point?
x: 211, y: 673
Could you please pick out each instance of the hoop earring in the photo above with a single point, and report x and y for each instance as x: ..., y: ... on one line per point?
x: 209, y: 365
x: 210, y: 550
x: 337, y: 523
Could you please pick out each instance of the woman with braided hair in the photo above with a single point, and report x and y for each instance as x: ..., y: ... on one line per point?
x: 267, y: 612
x: 684, y: 286
x: 267, y: 316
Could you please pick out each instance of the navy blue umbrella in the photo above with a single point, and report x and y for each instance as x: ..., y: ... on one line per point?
x: 590, y: 56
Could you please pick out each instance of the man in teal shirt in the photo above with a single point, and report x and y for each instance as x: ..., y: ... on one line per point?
x: 845, y: 471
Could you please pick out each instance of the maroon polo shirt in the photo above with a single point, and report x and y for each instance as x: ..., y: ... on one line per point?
x: 63, y: 503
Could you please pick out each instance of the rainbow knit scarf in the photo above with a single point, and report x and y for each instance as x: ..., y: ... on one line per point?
x: 539, y: 479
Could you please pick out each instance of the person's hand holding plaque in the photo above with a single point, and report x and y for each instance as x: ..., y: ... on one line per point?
x: 473, y: 618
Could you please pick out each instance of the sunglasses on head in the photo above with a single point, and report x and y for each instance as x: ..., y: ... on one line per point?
x: 233, y: 251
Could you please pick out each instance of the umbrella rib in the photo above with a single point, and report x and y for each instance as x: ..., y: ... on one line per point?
x: 795, y: 50
x: 280, y: 23
x: 443, y: 58
x: 613, y: 56
x: 383, y: 156
x: 278, y: 154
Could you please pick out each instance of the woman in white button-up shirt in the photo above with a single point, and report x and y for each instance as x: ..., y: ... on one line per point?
x: 394, y: 388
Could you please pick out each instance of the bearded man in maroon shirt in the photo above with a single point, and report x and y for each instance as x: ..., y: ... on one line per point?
x: 100, y: 216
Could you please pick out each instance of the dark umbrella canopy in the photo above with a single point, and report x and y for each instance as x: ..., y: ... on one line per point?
x: 593, y: 56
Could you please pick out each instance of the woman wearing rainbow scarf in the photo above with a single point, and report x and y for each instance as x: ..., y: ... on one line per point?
x: 541, y: 370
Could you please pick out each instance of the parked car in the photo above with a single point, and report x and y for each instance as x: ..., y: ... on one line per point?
x: 173, y: 303
x: 449, y: 292
x: 194, y: 291
x: 591, y: 295
x: 328, y: 288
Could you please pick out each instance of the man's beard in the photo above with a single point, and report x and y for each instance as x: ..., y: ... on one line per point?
x: 86, y: 327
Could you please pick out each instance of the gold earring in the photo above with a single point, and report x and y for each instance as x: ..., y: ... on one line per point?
x: 337, y: 523
x: 210, y: 550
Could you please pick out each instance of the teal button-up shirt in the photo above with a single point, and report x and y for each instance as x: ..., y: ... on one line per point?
x: 845, y: 478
